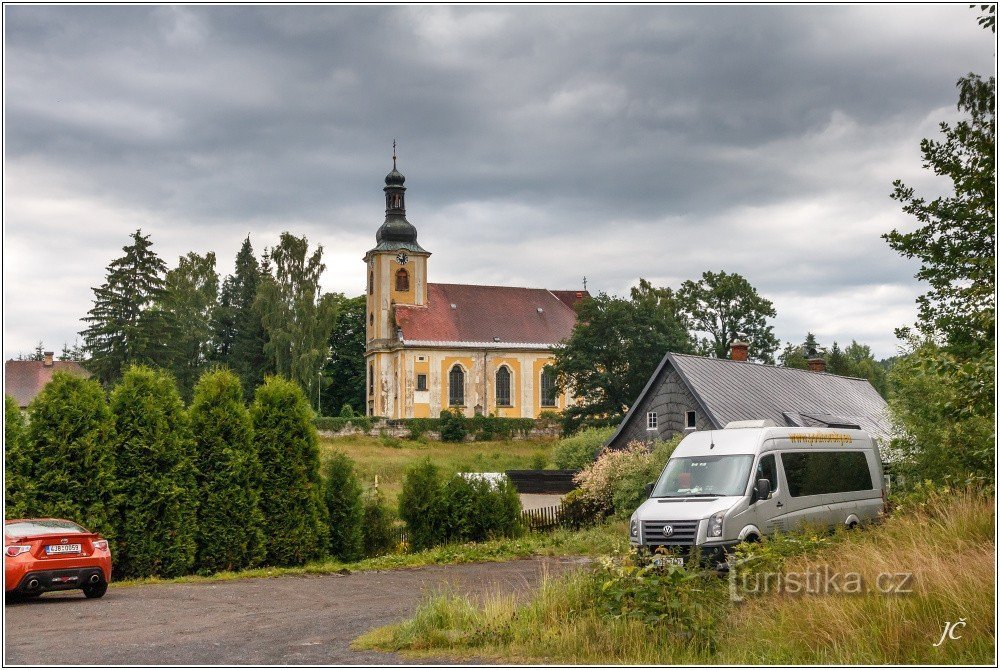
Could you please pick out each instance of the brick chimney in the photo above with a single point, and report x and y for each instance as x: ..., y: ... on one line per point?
x: 817, y: 364
x: 739, y: 350
x: 47, y: 361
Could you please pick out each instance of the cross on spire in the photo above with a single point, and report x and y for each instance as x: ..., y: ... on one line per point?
x: 394, y: 154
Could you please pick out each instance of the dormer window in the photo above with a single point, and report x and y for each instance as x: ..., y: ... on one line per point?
x: 402, y: 280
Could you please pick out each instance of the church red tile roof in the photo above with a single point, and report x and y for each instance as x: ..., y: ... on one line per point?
x: 465, y: 313
x: 25, y: 379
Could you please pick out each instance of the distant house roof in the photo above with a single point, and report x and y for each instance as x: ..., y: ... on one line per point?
x: 25, y: 379
x: 731, y: 390
x: 501, y: 316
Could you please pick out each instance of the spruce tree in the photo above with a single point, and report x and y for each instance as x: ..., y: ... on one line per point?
x: 239, y: 333
x: 71, y: 468
x: 125, y: 324
x: 16, y: 485
x: 342, y: 493
x: 230, y: 535
x: 154, y: 468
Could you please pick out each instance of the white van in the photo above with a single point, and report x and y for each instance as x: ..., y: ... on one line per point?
x: 722, y: 487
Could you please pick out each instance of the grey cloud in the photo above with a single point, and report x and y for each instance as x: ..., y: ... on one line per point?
x: 571, y: 123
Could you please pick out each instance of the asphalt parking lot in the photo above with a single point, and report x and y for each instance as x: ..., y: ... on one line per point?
x: 285, y: 620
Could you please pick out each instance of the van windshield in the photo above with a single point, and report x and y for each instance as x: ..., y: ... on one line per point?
x: 704, y: 476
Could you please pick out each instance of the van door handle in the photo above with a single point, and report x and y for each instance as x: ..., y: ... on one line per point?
x: 779, y: 504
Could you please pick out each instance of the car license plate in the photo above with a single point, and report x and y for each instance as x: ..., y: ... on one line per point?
x: 63, y: 549
x: 660, y: 561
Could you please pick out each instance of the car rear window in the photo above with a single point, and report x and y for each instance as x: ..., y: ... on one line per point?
x: 41, y: 527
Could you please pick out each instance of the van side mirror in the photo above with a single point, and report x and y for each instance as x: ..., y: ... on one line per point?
x: 649, y: 488
x: 763, y: 489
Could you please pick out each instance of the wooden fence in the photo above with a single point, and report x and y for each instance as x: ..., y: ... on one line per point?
x: 544, y: 518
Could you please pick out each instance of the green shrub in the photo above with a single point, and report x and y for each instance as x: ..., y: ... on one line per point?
x: 346, y: 411
x: 420, y: 504
x: 230, y: 524
x: 342, y: 494
x: 16, y: 485
x: 378, y: 535
x: 577, y: 451
x: 539, y: 460
x: 391, y: 442
x: 157, y: 495
x: 579, y: 509
x: 453, y: 426
x: 291, y: 500
x: 71, y: 466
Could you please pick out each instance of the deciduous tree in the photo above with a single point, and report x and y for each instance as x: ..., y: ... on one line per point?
x: 725, y: 306
x: 614, y: 348
x: 344, y: 372
x: 188, y: 302
x: 297, y: 317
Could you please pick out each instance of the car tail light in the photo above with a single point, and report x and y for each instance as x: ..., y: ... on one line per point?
x: 100, y: 544
x: 16, y: 550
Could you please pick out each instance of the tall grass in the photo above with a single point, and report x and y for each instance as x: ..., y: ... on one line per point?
x: 947, y: 544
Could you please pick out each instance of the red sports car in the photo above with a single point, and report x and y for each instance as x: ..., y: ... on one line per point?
x: 41, y: 555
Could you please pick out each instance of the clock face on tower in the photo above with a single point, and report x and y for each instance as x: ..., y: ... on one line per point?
x: 402, y: 258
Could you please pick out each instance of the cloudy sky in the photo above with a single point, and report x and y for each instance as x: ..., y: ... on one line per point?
x: 540, y: 145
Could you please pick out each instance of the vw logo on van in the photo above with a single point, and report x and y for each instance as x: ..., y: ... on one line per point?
x: 668, y: 531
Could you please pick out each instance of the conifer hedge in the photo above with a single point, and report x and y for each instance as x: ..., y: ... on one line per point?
x: 420, y: 504
x: 294, y: 514
x: 230, y: 524
x: 69, y: 461
x: 154, y: 472
x: 342, y: 494
x: 16, y: 486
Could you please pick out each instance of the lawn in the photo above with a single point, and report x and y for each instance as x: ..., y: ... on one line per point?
x: 388, y: 458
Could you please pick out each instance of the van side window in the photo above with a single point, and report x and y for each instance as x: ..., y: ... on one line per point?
x: 810, y: 473
x: 767, y: 469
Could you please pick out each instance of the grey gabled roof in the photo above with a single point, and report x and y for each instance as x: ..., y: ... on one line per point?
x: 741, y: 391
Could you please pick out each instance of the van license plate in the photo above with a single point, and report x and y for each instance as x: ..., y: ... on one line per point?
x: 660, y: 561
x: 63, y: 549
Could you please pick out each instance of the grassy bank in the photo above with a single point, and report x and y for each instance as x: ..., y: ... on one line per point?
x: 615, y: 614
x: 594, y: 541
x: 388, y: 458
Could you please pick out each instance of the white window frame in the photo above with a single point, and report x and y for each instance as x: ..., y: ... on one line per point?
x: 651, y: 421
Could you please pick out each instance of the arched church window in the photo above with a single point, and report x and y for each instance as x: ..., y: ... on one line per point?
x: 456, y: 385
x: 371, y: 319
x: 503, y: 386
x: 371, y: 283
x: 371, y: 379
x: 402, y: 280
x: 548, y: 387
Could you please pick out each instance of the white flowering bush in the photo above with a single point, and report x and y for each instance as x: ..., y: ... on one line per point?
x: 613, y: 484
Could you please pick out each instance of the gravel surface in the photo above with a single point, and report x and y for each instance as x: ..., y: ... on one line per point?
x: 282, y: 620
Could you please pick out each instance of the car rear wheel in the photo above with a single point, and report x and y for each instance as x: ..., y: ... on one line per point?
x: 95, y: 590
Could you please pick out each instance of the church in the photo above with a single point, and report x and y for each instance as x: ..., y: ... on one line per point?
x: 475, y: 349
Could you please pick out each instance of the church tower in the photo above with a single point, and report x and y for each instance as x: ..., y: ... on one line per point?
x: 397, y: 275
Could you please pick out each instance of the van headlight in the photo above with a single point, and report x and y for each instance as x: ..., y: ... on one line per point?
x: 633, y: 528
x: 715, y: 525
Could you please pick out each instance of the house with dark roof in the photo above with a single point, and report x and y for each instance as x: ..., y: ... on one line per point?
x: 477, y: 349
x: 25, y: 379
x: 688, y: 393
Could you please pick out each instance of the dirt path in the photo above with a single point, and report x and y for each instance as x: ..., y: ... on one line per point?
x: 284, y: 620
